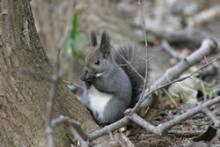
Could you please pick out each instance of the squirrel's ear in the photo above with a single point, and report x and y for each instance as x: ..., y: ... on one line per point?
x: 93, y: 39
x: 105, y: 46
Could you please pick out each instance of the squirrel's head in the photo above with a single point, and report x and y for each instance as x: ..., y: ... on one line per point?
x: 98, y: 61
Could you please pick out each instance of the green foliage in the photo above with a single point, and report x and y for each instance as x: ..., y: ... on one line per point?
x: 211, y: 90
x: 74, y: 40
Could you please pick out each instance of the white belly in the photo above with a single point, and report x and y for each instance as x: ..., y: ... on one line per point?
x: 98, y: 101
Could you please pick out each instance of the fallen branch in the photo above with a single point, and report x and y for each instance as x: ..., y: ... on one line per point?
x: 161, y: 129
x: 186, y: 133
x: 193, y: 36
x: 212, y: 116
x: 166, y: 46
x: 171, y: 74
x: 204, y: 16
x: 210, y: 70
x: 123, y: 140
x: 74, y: 127
x: 112, y: 127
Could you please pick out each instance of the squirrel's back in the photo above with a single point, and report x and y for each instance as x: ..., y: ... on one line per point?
x: 132, y: 61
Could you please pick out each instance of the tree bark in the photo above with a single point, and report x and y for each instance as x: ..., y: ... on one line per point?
x: 23, y: 97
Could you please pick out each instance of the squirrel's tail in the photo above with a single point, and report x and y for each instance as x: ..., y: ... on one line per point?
x: 127, y: 57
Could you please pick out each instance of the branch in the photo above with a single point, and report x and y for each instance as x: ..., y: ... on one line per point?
x: 146, y: 78
x: 180, y: 36
x: 171, y: 74
x: 161, y: 129
x: 212, y: 116
x: 123, y: 140
x: 204, y: 16
x: 74, y: 127
x: 166, y: 46
x: 112, y: 127
x: 55, y: 82
x: 53, y: 90
x: 186, y: 133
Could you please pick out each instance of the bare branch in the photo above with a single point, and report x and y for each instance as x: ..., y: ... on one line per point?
x: 180, y: 36
x: 128, y: 63
x: 161, y: 129
x: 212, y: 116
x: 146, y: 78
x: 166, y: 46
x: 171, y: 74
x: 71, y: 83
x: 54, y: 85
x: 112, y: 127
x: 123, y: 140
x: 186, y: 133
x: 74, y: 127
x: 53, y: 90
x: 204, y: 16
x: 83, y: 143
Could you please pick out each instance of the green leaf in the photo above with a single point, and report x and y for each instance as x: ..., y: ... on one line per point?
x: 211, y: 90
x: 75, y: 25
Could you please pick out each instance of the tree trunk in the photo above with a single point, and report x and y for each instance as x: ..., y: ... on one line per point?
x: 23, y: 97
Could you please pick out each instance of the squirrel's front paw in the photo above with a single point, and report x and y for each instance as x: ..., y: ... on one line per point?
x: 85, y: 76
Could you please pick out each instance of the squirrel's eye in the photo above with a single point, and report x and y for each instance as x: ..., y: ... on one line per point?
x: 96, y: 62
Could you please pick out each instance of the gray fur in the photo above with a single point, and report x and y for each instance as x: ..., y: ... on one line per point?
x: 117, y: 87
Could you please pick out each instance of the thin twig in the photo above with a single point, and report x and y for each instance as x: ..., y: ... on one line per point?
x: 123, y: 140
x: 146, y: 78
x: 112, y: 127
x: 212, y: 116
x: 166, y: 46
x: 83, y: 143
x: 170, y: 97
x: 71, y: 83
x: 128, y: 63
x: 186, y: 133
x: 74, y: 127
x: 54, y: 85
x: 53, y: 90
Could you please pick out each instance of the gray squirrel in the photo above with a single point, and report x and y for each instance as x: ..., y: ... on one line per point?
x: 111, y: 85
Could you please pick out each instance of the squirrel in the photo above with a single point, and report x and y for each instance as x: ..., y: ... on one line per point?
x: 111, y: 84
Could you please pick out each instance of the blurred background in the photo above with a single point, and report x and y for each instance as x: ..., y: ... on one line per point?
x: 180, y: 24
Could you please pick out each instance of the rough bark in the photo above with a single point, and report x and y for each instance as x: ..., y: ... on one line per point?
x: 23, y: 97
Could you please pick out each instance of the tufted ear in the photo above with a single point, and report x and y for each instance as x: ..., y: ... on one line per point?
x: 93, y: 39
x: 105, y: 46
